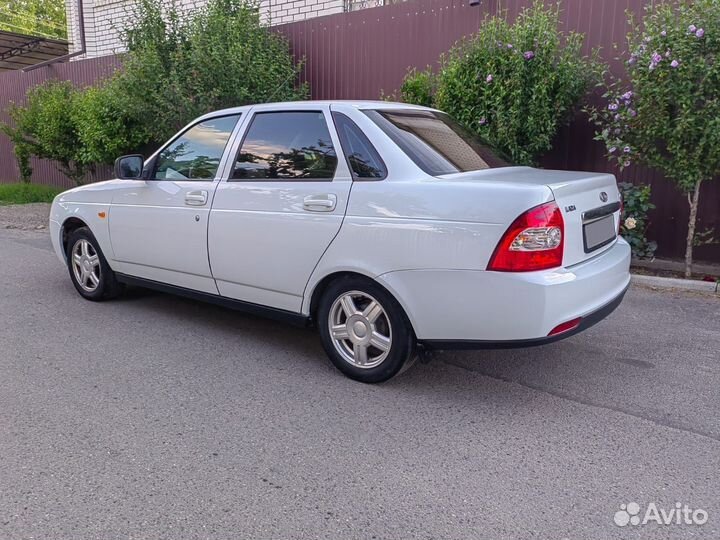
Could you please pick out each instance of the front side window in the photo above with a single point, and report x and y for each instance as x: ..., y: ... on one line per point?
x: 436, y: 143
x: 362, y: 157
x: 288, y: 145
x: 196, y: 154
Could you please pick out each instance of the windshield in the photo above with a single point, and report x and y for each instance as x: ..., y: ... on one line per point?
x: 436, y: 143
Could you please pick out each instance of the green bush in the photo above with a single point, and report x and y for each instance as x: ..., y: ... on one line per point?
x: 177, y: 67
x: 22, y: 149
x: 105, y: 126
x: 44, y: 127
x: 26, y: 193
x: 512, y: 84
x: 666, y: 112
x: 180, y: 67
x: 418, y: 87
x: 634, y: 220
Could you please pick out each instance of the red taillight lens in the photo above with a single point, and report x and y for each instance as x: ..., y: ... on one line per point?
x: 534, y: 241
x: 565, y: 327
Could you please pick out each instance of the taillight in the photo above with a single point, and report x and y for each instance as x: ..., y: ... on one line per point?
x: 534, y: 241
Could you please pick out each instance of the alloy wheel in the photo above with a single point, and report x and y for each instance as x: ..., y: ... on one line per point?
x: 86, y: 265
x: 360, y: 329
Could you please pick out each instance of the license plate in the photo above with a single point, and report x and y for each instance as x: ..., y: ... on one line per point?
x: 599, y: 233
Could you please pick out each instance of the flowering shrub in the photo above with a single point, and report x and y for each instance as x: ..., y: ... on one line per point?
x: 666, y: 114
x: 634, y: 221
x: 513, y: 84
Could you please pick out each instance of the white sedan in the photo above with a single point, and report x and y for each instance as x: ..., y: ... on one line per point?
x: 385, y: 225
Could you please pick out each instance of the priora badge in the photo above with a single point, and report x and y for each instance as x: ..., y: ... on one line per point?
x: 603, y: 196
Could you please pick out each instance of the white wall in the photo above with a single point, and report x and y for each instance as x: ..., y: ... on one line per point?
x: 104, y: 18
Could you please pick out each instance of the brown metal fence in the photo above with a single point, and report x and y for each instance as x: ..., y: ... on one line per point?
x: 363, y: 54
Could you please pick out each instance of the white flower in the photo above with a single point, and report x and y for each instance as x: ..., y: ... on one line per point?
x: 630, y: 223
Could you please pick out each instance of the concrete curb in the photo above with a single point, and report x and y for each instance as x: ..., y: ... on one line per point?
x: 676, y: 266
x: 674, y: 283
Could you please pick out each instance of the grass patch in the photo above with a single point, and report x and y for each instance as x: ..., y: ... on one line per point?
x: 27, y: 193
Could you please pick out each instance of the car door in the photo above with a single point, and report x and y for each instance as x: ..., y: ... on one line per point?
x: 280, y: 208
x: 158, y: 227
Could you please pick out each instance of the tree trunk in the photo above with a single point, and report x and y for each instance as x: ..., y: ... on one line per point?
x: 691, y: 229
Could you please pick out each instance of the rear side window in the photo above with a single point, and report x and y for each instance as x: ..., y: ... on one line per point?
x: 288, y: 145
x: 196, y: 154
x: 436, y: 143
x: 362, y: 157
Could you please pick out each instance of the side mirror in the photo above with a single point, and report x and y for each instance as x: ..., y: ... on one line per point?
x: 129, y: 167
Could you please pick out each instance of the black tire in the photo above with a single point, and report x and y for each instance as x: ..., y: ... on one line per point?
x: 107, y: 286
x: 393, y: 322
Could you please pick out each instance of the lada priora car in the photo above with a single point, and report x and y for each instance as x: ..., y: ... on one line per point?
x: 385, y: 225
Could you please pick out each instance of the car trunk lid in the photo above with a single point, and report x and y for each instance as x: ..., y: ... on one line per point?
x: 589, y: 202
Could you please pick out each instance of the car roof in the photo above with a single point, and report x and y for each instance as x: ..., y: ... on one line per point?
x: 358, y: 104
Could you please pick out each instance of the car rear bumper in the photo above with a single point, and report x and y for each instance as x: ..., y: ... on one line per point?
x: 480, y: 309
x: 589, y: 320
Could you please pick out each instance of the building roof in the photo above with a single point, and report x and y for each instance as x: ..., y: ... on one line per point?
x: 18, y: 51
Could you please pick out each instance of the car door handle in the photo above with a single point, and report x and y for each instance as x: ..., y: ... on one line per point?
x: 320, y: 203
x: 196, y: 198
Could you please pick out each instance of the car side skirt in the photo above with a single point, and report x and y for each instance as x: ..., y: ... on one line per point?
x: 296, y: 319
x: 587, y: 321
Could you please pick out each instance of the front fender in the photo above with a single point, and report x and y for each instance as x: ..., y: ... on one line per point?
x: 72, y: 205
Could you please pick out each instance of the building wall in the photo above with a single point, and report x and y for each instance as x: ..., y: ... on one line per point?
x: 104, y: 19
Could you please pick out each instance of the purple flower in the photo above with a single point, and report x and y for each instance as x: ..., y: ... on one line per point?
x: 613, y: 149
x: 692, y: 28
x: 529, y: 55
x: 667, y: 53
x: 663, y: 33
x: 618, y: 117
x: 613, y: 107
x: 674, y: 64
x: 482, y: 121
x: 489, y: 79
x: 627, y: 96
x: 510, y: 46
x: 700, y: 33
x: 626, y: 164
x: 627, y: 150
x: 656, y: 58
x: 632, y: 113
x: 632, y: 60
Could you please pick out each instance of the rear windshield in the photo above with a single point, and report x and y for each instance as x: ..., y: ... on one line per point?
x: 436, y: 143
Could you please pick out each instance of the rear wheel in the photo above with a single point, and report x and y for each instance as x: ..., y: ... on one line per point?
x: 89, y: 270
x: 364, y: 330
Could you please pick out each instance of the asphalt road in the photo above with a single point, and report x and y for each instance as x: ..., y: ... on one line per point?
x: 158, y: 417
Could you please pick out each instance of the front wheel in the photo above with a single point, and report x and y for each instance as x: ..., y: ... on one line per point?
x: 89, y: 270
x: 364, y: 330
